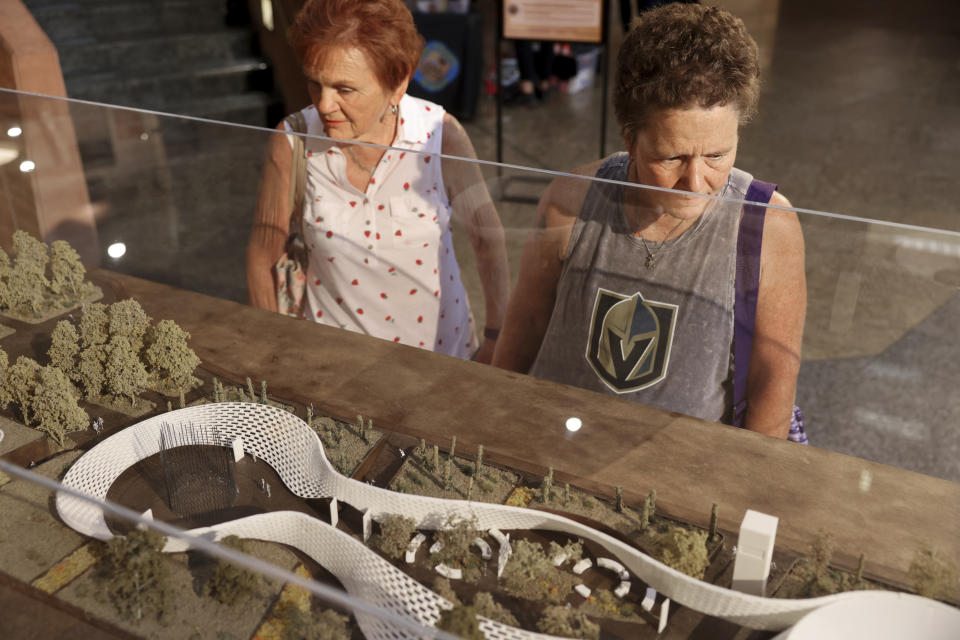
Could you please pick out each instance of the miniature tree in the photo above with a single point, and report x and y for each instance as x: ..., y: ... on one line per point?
x: 487, y: 607
x: 94, y: 325
x: 395, y: 534
x: 453, y: 446
x: 858, y: 577
x: 130, y: 321
x: 653, y: 502
x: 263, y: 392
x: 436, y: 458
x: 90, y: 373
x: 546, y: 487
x: 31, y: 257
x: 566, y: 493
x: 5, y: 397
x: 821, y: 552
x: 530, y: 574
x: 125, y: 374
x: 714, y: 517
x: 5, y: 271
x: 618, y: 499
x: 136, y: 575
x: 568, y: 622
x: 169, y: 358
x: 462, y: 621
x: 469, y: 487
x: 479, y: 464
x: 24, y: 291
x: 573, y: 551
x: 67, y: 272
x: 443, y: 588
x: 302, y: 625
x: 64, y: 347
x: 55, y: 405
x: 685, y: 550
x: 231, y: 584
x: 645, y: 513
x: 253, y: 396
x: 455, y: 538
x: 934, y: 575
x: 21, y: 383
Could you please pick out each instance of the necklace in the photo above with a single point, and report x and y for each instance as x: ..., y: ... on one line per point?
x: 651, y: 261
x: 362, y: 166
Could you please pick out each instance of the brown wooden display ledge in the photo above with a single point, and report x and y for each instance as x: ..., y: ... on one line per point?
x: 520, y: 421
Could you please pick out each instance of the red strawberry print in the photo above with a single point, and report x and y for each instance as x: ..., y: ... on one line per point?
x: 421, y: 343
x: 406, y: 186
x: 355, y: 283
x: 402, y: 154
x: 316, y: 282
x: 319, y: 314
x: 427, y: 159
x: 329, y: 234
x: 442, y: 316
x: 318, y: 219
x: 412, y: 291
x: 380, y: 207
x: 456, y: 329
x: 419, y: 261
x: 330, y: 153
x: 435, y: 271
x: 366, y: 261
x: 366, y: 233
x: 426, y: 244
x: 373, y: 181
x: 436, y: 293
x: 397, y: 339
x: 383, y: 295
x: 353, y: 203
x: 339, y: 300
x: 387, y: 319
x: 360, y: 312
x: 440, y: 341
x: 427, y: 108
x: 401, y: 122
x: 398, y: 233
x: 428, y: 135
x: 330, y: 259
x: 419, y: 318
x: 309, y: 154
x: 457, y: 301
x: 391, y: 269
x: 378, y: 236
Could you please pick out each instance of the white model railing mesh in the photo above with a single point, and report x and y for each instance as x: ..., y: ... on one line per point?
x: 295, y: 452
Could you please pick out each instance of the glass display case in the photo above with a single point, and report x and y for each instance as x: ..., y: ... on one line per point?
x: 375, y: 485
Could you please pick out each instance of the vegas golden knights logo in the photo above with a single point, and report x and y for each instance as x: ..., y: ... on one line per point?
x: 630, y: 339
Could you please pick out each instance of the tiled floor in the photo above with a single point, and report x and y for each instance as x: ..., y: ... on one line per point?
x: 860, y: 115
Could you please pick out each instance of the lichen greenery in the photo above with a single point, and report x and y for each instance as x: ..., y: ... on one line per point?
x: 684, y: 550
x: 135, y: 575
x: 229, y: 583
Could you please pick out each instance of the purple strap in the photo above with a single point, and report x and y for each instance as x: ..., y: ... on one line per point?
x: 749, y: 241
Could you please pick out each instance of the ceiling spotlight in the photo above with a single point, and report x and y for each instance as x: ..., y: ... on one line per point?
x: 14, y: 131
x: 27, y: 166
x: 574, y: 424
x: 116, y: 250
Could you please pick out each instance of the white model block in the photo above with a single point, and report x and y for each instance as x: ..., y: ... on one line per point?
x: 582, y: 566
x: 334, y: 512
x: 411, y: 555
x: 237, y: 449
x: 751, y: 567
x: 436, y: 547
x: 559, y: 559
x: 148, y: 514
x: 448, y: 572
x: 612, y: 565
x: 583, y: 590
x: 367, y: 524
x: 649, y: 599
x: 664, y: 614
x: 622, y: 589
x: 505, y: 552
x: 497, y: 535
x: 485, y: 551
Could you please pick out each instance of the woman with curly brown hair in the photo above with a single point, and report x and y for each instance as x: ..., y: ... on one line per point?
x: 378, y: 200
x: 640, y: 291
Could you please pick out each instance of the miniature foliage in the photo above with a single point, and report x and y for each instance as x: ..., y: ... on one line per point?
x: 66, y: 270
x: 821, y: 552
x: 127, y: 319
x: 168, y: 356
x: 125, y: 374
x: 64, y: 347
x: 395, y: 534
x: 568, y: 622
x: 456, y: 538
x: 685, y: 550
x: 21, y: 383
x: 461, y: 621
x: 230, y: 583
x: 326, y: 625
x: 442, y: 587
x: 5, y: 397
x: 55, y: 405
x: 573, y: 551
x: 530, y: 574
x: 487, y: 607
x: 934, y: 575
x: 94, y: 325
x: 136, y: 575
x: 90, y: 372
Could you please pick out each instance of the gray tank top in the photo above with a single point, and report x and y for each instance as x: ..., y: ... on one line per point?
x: 659, y: 336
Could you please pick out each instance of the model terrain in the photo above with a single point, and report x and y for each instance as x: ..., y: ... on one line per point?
x: 108, y: 358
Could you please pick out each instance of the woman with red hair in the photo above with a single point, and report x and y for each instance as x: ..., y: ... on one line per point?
x: 378, y: 198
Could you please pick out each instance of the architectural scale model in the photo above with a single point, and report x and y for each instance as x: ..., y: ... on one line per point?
x: 295, y: 452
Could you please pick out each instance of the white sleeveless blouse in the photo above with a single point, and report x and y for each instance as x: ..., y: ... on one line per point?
x: 382, y: 262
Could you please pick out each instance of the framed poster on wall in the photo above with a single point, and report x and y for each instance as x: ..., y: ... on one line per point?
x: 563, y: 20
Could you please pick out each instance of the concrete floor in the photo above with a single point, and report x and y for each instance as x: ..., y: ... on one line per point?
x: 860, y: 115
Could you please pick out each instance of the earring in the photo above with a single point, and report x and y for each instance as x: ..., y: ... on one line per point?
x: 393, y: 109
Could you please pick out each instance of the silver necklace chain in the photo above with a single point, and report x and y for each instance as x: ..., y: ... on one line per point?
x: 651, y: 261
x: 362, y: 166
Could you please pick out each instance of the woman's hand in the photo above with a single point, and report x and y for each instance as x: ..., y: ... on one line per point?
x: 485, y: 352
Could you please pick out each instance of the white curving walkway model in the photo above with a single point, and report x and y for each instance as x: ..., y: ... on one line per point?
x: 287, y: 444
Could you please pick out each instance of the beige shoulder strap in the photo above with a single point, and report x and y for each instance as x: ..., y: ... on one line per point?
x: 297, y: 124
